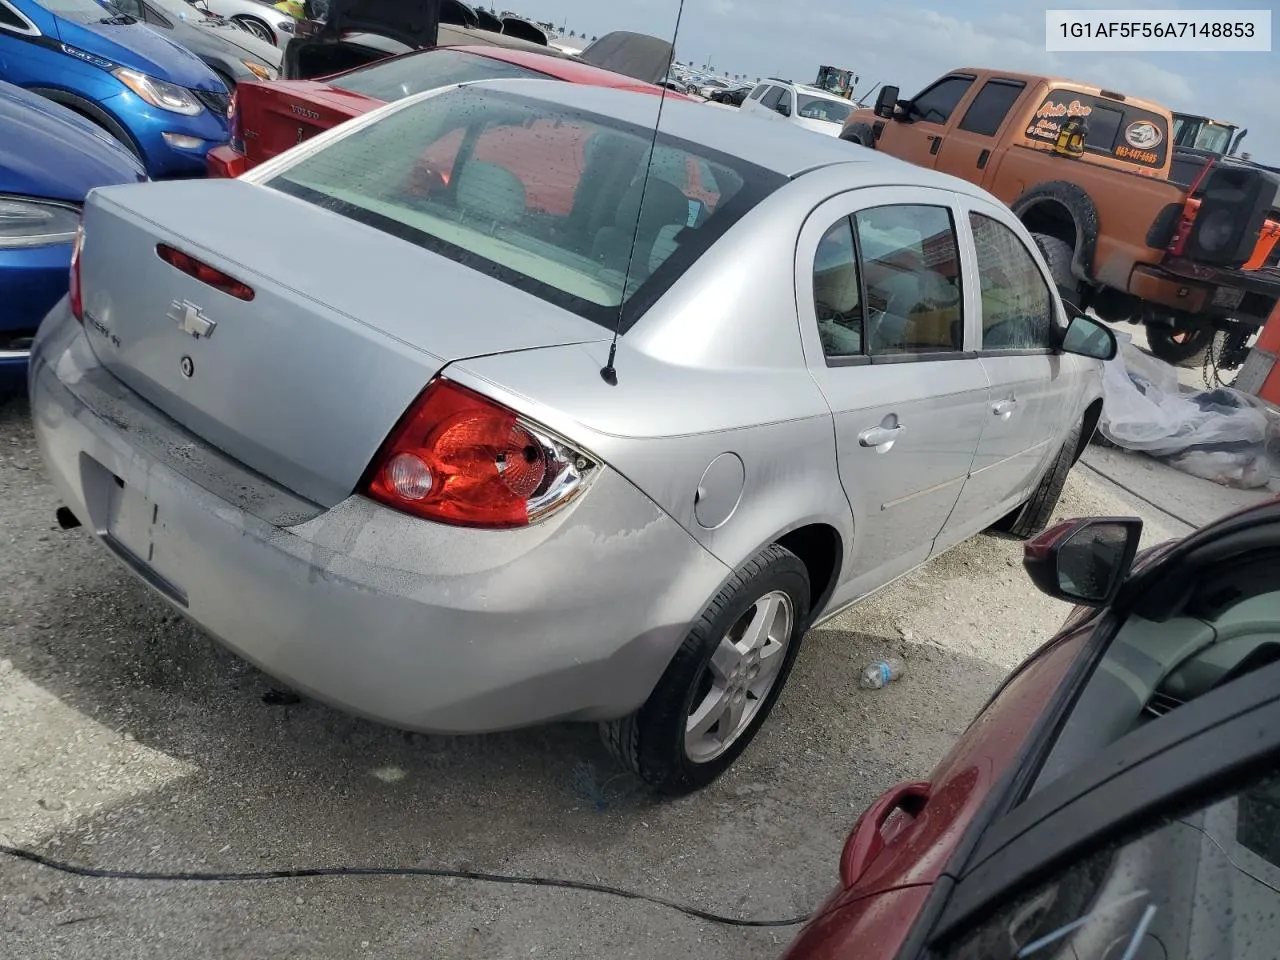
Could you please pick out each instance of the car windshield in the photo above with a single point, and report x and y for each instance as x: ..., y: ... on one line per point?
x: 545, y: 198
x: 81, y: 11
x: 424, y: 70
x: 821, y: 108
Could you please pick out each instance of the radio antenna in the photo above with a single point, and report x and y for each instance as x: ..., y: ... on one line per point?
x: 609, y: 373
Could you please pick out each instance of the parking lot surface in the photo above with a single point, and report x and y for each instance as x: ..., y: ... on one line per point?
x: 128, y: 740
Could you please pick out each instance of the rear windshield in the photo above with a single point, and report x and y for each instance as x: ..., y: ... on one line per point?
x: 820, y: 108
x: 1112, y: 129
x: 424, y: 70
x: 542, y: 197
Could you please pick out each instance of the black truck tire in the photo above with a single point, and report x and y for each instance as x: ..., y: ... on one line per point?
x: 1058, y: 255
x: 861, y: 134
x: 1184, y: 347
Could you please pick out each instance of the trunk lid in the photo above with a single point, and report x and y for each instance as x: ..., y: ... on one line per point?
x: 346, y: 325
x: 273, y: 117
x: 412, y: 22
x: 635, y: 55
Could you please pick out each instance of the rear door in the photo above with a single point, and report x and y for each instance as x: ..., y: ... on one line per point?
x: 968, y: 150
x: 1033, y: 387
x: 878, y: 283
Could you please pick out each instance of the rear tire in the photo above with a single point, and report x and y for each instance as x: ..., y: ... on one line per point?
x: 661, y: 743
x: 1033, y: 516
x: 1058, y: 254
x: 1185, y: 347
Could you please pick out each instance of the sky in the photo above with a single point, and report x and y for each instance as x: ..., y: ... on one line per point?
x: 912, y: 42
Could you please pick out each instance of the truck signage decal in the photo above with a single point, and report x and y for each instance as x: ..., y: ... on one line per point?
x: 1116, y: 129
x: 1143, y: 135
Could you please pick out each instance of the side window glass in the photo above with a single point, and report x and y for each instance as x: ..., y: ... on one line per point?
x: 133, y: 8
x: 911, y: 269
x: 1182, y: 888
x: 155, y: 17
x: 1017, y: 305
x: 991, y: 106
x: 771, y: 98
x: 8, y: 18
x: 758, y: 92
x: 837, y: 294
x: 937, y: 103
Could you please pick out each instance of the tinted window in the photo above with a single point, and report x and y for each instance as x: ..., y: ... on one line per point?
x: 837, y: 296
x: 822, y: 108
x: 911, y: 268
x: 425, y: 70
x: 1104, y: 124
x: 1199, y: 886
x: 991, y: 106
x: 937, y: 103
x: 758, y: 92
x: 545, y: 198
x: 1017, y: 306
x: 1124, y: 132
x: 772, y: 97
x: 10, y: 19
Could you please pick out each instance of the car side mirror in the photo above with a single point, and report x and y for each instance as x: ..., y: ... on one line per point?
x: 1089, y: 338
x: 886, y: 102
x: 783, y: 108
x: 1085, y: 562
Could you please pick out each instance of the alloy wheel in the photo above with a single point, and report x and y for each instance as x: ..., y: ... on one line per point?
x: 739, y: 676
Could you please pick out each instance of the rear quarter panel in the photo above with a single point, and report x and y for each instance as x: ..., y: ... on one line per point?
x: 716, y: 367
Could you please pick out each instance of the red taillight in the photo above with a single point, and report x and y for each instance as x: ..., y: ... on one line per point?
x: 74, y: 294
x: 457, y: 457
x: 203, y: 272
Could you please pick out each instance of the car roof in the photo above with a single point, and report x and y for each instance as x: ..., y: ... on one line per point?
x: 1030, y: 79
x: 782, y: 148
x: 568, y: 70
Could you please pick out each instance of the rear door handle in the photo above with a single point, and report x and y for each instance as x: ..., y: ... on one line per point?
x: 983, y: 157
x: 867, y: 839
x: 1004, y: 408
x: 879, y: 436
x: 937, y: 144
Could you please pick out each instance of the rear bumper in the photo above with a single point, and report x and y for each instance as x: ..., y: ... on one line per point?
x: 1207, y: 293
x: 223, y: 161
x: 418, y: 625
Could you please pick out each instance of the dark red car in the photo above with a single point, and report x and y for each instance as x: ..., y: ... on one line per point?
x: 1119, y: 796
x: 269, y: 118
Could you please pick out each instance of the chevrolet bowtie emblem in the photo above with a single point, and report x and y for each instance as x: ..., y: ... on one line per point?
x: 190, y: 320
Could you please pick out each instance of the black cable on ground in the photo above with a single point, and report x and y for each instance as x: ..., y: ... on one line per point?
x: 100, y: 873
x: 1128, y: 489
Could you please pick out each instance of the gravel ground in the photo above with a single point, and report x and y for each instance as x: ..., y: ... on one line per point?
x: 129, y: 740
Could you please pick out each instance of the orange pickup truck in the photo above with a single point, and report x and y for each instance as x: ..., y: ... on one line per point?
x: 1087, y: 170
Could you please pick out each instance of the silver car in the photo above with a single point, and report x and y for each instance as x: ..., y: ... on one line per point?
x: 361, y: 413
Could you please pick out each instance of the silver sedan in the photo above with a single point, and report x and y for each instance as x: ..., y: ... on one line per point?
x: 490, y: 408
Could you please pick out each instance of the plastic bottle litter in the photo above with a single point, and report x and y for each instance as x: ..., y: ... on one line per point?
x: 881, y: 673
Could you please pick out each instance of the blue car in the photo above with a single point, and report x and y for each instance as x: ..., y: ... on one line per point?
x: 155, y: 97
x: 49, y: 160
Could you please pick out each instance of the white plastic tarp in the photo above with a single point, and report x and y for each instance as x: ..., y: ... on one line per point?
x: 1222, y: 435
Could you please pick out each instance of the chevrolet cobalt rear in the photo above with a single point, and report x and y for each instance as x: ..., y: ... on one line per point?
x: 534, y: 417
